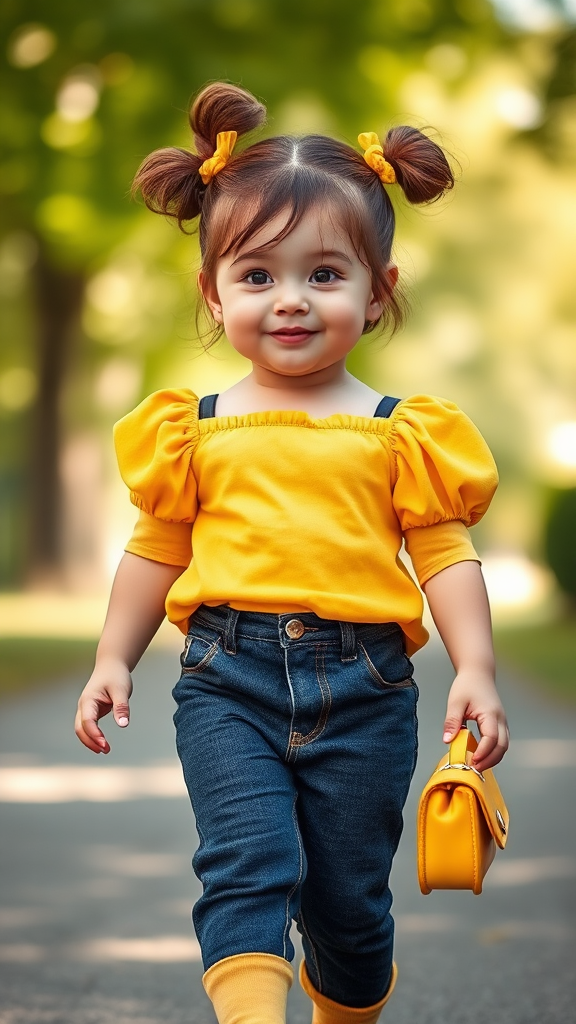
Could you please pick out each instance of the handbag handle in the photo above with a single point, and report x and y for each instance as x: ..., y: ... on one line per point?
x: 463, y: 743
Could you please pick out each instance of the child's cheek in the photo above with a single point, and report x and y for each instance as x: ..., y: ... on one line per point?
x: 243, y: 312
x: 344, y: 315
x: 243, y: 324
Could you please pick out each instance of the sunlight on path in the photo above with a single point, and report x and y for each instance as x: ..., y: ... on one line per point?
x: 162, y: 949
x: 55, y: 784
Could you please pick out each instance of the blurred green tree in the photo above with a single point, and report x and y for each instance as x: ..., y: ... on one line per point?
x: 89, y: 89
x: 560, y: 540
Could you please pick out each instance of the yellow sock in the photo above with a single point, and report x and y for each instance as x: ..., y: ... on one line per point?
x: 249, y: 988
x: 326, y: 1011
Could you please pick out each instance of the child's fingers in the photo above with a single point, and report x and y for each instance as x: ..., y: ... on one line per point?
x: 455, y: 713
x: 88, y: 731
x: 99, y: 746
x: 493, y: 745
x: 97, y: 700
x: 90, y: 711
x: 486, y: 747
x: 122, y: 713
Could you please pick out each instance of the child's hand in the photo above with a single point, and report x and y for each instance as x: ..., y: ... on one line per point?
x: 135, y: 612
x: 474, y: 696
x: 109, y: 688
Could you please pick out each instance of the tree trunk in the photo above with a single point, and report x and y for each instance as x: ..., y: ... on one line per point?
x: 58, y: 295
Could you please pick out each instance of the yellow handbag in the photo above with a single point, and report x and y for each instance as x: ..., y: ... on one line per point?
x: 462, y: 818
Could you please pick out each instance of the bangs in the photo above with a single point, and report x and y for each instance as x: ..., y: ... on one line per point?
x: 292, y: 193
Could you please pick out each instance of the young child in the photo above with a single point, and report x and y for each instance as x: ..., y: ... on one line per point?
x: 271, y: 520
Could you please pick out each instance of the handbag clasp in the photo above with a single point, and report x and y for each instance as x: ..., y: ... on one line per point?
x: 463, y: 768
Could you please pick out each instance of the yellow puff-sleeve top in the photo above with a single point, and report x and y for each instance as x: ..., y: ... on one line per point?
x: 280, y: 512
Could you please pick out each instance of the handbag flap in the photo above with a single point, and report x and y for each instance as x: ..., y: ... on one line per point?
x: 455, y: 769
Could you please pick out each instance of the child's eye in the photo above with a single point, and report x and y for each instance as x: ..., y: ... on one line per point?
x: 258, y: 277
x: 323, y: 275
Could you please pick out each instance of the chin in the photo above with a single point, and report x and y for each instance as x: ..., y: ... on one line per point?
x: 292, y: 371
x: 297, y: 368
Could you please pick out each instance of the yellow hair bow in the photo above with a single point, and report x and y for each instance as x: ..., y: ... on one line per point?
x: 225, y: 142
x: 374, y: 157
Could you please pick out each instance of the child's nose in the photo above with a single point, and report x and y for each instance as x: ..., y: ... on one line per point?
x: 290, y: 301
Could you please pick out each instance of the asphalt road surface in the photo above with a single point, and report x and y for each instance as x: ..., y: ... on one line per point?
x: 97, y: 885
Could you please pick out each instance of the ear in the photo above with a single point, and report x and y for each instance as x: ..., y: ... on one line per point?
x: 210, y: 294
x: 375, y: 307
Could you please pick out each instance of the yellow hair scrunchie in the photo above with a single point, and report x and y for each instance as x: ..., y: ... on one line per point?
x: 374, y: 157
x: 225, y: 142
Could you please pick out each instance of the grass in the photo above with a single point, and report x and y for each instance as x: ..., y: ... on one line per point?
x: 27, y: 662
x: 545, y: 654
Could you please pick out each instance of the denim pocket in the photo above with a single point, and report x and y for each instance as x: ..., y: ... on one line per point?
x: 198, y: 652
x: 385, y: 658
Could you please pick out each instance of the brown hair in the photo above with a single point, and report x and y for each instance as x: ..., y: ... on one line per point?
x: 291, y: 174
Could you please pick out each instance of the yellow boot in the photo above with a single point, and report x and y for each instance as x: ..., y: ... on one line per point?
x: 326, y: 1011
x: 249, y: 988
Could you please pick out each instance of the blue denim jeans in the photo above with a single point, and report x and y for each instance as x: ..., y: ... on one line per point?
x: 297, y: 737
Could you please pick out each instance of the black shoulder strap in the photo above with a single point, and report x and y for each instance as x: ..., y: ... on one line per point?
x: 207, y: 407
x: 386, y: 406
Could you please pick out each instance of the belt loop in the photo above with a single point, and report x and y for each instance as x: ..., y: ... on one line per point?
x: 349, y: 652
x: 230, y: 631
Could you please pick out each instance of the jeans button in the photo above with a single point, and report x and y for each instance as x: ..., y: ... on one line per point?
x: 295, y: 629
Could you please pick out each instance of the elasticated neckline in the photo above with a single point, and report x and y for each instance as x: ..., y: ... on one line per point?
x: 297, y: 418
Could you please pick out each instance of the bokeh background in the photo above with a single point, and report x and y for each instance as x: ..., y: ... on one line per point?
x: 98, y: 295
x: 97, y: 309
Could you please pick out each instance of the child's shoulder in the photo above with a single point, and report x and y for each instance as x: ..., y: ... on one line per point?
x: 167, y: 402
x: 165, y: 423
x: 154, y: 444
x: 421, y: 412
x: 436, y: 429
x: 176, y: 406
x: 425, y: 404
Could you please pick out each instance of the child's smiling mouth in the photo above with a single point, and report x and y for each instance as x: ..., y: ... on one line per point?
x: 292, y: 335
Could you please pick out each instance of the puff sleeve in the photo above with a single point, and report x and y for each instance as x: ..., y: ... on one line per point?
x: 445, y: 480
x: 154, y: 446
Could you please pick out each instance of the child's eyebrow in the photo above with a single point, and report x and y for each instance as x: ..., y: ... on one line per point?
x: 330, y: 254
x: 321, y: 254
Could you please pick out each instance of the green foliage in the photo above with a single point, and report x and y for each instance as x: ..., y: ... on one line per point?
x: 26, y: 662
x: 545, y: 655
x: 117, y: 77
x: 560, y: 539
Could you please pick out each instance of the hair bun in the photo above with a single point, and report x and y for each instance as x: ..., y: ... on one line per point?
x: 170, y: 183
x: 221, y: 107
x: 421, y: 167
x: 168, y: 179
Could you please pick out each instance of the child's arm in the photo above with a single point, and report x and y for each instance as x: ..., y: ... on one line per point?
x: 135, y: 612
x: 459, y: 605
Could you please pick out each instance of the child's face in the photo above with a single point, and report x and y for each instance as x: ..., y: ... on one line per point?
x: 298, y: 306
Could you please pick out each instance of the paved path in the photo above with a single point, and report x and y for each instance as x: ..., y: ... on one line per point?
x: 96, y: 891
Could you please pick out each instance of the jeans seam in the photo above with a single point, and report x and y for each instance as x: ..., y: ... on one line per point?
x: 296, y: 738
x: 293, y: 703
x: 400, y: 685
x: 203, y: 661
x: 220, y: 628
x: 298, y: 880
x: 312, y: 950
x: 257, y: 639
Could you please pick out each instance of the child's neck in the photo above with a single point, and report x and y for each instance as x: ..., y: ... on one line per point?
x: 320, y: 394
x: 333, y: 376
